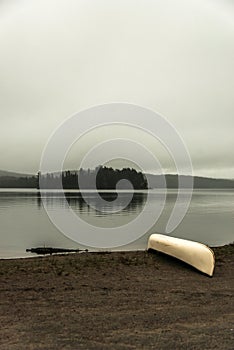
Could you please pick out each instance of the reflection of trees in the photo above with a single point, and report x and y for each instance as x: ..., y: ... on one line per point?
x: 77, y: 202
x: 102, y: 178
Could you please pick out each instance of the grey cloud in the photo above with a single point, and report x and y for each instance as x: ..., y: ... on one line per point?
x: 175, y: 57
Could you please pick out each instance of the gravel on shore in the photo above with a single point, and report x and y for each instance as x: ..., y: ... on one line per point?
x: 121, y: 300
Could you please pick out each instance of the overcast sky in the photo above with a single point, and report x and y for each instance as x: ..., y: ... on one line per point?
x: 58, y: 57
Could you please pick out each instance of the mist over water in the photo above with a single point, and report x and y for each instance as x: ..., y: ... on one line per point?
x: 25, y: 224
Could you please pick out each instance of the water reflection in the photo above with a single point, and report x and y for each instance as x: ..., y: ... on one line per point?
x: 95, y: 212
x: 14, y: 198
x: 24, y: 222
x: 78, y: 202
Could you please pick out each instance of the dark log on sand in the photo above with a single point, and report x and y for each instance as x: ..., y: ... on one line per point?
x: 50, y: 250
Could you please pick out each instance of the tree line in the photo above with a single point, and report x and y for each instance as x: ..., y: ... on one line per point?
x: 18, y: 182
x: 99, y: 178
x: 102, y: 178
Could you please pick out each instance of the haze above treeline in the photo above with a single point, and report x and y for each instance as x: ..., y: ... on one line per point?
x: 105, y: 178
x: 174, y: 58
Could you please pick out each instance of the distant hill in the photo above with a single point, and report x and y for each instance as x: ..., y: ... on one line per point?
x: 13, y: 174
x: 18, y: 180
x: 199, y: 182
x: 10, y: 179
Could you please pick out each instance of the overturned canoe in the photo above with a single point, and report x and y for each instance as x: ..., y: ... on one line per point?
x: 193, y: 253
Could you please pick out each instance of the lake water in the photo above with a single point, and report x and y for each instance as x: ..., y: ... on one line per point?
x: 25, y: 223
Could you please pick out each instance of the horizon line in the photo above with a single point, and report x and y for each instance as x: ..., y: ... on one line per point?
x: 148, y: 173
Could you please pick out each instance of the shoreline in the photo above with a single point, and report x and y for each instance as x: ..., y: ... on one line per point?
x: 34, y: 255
x: 118, y: 300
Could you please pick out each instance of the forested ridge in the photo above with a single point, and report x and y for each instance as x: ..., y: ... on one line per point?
x: 106, y: 178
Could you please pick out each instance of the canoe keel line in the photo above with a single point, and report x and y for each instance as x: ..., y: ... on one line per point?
x: 193, y: 253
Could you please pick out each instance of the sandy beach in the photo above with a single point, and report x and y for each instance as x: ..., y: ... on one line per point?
x: 124, y: 300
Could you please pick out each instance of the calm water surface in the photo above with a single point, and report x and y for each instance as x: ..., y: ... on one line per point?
x: 25, y: 224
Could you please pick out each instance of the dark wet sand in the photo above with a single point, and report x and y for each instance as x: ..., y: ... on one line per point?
x: 131, y: 300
